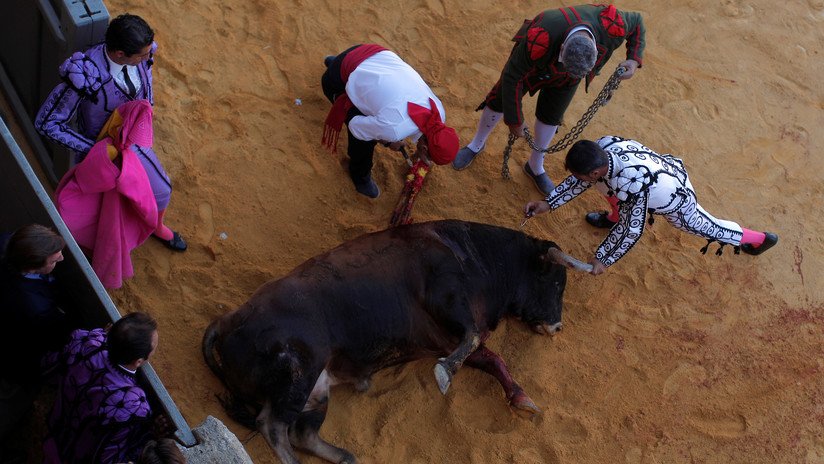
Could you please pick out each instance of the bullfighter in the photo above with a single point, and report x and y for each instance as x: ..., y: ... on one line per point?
x: 95, y: 83
x: 643, y: 182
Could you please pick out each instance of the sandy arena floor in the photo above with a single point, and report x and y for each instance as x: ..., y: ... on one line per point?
x: 671, y: 356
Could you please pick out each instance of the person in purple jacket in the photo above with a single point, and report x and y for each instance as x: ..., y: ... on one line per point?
x: 101, y: 415
x: 95, y: 83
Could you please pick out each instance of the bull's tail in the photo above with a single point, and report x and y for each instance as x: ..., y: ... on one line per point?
x: 208, y: 346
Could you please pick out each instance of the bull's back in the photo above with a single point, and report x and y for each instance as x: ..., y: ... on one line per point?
x: 365, y: 300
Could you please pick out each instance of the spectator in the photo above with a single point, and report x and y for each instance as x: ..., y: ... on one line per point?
x: 32, y: 320
x: 100, y: 414
x: 163, y: 451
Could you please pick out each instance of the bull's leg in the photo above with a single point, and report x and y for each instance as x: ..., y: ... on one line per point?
x: 448, y: 366
x: 488, y: 361
x: 304, y: 433
x: 276, y: 434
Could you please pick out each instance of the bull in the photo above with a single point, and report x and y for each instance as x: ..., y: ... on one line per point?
x: 435, y: 289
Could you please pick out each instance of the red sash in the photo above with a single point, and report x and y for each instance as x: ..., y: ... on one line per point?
x: 342, y: 104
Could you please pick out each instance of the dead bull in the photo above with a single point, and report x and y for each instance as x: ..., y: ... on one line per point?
x: 430, y: 289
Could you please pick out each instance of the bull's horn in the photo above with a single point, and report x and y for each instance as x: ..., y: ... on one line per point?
x: 564, y: 259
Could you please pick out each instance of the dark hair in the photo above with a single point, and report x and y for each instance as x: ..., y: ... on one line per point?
x: 130, y: 338
x: 129, y: 34
x: 30, y: 246
x: 585, y: 156
x: 162, y: 451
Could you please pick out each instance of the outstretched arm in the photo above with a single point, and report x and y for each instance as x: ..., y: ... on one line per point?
x: 625, y: 233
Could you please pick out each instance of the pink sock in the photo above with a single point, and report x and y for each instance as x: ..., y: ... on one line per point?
x: 162, y: 231
x: 613, y: 203
x: 752, y: 237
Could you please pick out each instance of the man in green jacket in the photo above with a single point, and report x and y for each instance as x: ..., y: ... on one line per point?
x: 552, y: 53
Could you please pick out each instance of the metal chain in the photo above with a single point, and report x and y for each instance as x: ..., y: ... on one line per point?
x: 507, y: 151
x: 600, y: 100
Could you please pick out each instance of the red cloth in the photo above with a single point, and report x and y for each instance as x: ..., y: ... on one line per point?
x: 337, y: 115
x: 441, y: 139
x: 111, y: 211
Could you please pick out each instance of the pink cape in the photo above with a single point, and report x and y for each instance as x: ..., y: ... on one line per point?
x: 111, y: 211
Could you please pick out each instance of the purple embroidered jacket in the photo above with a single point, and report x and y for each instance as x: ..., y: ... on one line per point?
x: 88, y: 95
x: 89, y: 92
x: 100, y: 414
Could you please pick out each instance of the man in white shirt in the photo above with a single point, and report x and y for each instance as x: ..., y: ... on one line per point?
x: 382, y: 99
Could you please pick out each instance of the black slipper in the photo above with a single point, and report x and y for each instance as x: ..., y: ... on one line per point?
x: 599, y: 219
x: 770, y: 240
x: 176, y: 243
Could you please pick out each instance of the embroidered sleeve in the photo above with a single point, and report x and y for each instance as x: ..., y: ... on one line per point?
x: 81, y: 80
x: 626, y: 232
x: 570, y: 188
x: 512, y: 86
x: 635, y: 31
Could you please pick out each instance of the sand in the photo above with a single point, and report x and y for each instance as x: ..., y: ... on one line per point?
x: 671, y: 356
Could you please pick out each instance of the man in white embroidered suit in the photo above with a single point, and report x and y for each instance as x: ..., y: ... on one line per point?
x: 643, y: 182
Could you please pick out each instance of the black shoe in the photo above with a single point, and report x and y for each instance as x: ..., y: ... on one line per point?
x: 770, y: 239
x: 542, y: 180
x: 464, y: 158
x: 176, y: 243
x: 367, y: 187
x: 599, y: 219
x: 328, y: 60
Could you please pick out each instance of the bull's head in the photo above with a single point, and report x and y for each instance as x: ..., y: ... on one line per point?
x: 553, y: 257
x: 543, y: 313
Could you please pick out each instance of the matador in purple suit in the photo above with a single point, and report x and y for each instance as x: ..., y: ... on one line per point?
x: 100, y: 414
x: 95, y: 83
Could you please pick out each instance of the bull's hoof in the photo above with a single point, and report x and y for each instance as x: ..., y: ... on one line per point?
x: 443, y: 377
x: 524, y: 406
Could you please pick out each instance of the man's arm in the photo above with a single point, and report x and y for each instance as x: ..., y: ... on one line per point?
x: 563, y: 193
x: 566, y: 191
x: 626, y: 232
x: 53, y: 119
x: 635, y: 36
x: 126, y: 418
x: 512, y: 88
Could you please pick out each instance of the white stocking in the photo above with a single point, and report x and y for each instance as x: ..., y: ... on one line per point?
x: 489, y: 119
x: 543, y: 135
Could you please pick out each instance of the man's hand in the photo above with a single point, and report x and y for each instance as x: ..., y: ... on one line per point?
x: 394, y: 146
x: 630, y: 66
x: 518, y: 131
x: 422, y: 151
x: 536, y: 207
x: 598, y: 267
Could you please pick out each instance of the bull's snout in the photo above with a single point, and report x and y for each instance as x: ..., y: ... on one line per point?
x: 548, y: 329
